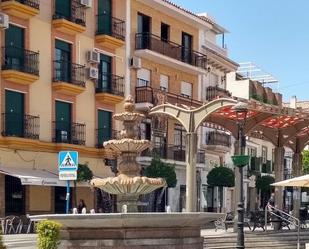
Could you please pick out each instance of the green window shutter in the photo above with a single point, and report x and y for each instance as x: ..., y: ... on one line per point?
x: 14, y: 113
x: 63, y: 9
x: 104, y: 17
x: 104, y: 126
x: 63, y: 121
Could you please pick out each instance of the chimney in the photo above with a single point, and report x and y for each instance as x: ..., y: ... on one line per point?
x: 293, y: 102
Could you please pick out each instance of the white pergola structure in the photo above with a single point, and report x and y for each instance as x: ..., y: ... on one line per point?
x: 283, y: 126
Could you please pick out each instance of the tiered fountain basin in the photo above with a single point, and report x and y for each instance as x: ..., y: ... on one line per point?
x: 132, y: 230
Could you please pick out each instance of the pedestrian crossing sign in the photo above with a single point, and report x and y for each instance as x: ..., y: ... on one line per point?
x: 67, y: 160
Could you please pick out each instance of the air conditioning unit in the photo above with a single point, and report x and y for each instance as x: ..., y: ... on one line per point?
x: 93, y: 57
x: 4, y: 21
x: 86, y: 3
x: 93, y: 73
x: 136, y: 63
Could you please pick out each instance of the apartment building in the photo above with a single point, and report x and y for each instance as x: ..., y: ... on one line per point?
x: 62, y: 78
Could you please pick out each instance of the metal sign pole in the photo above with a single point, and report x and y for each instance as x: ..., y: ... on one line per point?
x: 68, y: 197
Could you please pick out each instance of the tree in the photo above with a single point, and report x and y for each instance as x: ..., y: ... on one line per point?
x: 263, y: 184
x: 221, y: 177
x: 84, y: 174
x: 160, y: 169
x: 306, y: 161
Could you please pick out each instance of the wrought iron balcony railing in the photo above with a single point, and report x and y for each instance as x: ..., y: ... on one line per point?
x: 147, y: 94
x: 215, y: 92
x: 218, y: 138
x: 109, y: 83
x: 108, y: 25
x: 66, y: 71
x: 77, y: 14
x: 20, y: 59
x: 31, y: 3
x: 170, y: 49
x: 68, y: 132
x: 20, y: 125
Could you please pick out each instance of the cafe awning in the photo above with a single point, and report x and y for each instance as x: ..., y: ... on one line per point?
x: 301, y: 181
x: 37, y: 177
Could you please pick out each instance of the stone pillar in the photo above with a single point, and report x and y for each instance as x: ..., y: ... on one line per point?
x: 279, y: 175
x: 297, y: 168
x: 2, y: 195
x: 191, y: 190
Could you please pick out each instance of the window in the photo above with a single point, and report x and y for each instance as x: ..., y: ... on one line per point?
x: 62, y: 63
x: 105, y: 17
x: 143, y: 77
x: 186, y: 50
x: 165, y: 32
x: 105, y: 73
x: 186, y: 89
x: 264, y: 154
x: 164, y: 82
x: 143, y: 23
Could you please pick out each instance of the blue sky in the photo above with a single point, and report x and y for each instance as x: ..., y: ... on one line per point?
x: 273, y: 34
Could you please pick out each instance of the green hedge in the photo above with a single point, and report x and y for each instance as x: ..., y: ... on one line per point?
x: 48, y: 234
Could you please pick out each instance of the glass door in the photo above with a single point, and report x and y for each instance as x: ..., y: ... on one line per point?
x: 105, y: 73
x: 143, y: 30
x: 14, y: 113
x: 186, y: 48
x: 62, y: 64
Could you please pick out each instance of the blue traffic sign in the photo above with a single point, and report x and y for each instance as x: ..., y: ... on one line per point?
x: 67, y: 160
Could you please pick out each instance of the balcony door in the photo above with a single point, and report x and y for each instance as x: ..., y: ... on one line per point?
x: 62, y: 65
x: 105, y: 73
x: 186, y: 47
x: 63, y: 9
x: 105, y: 16
x: 14, y: 114
x: 14, y: 43
x: 143, y: 29
x: 104, y: 126
x: 63, y: 122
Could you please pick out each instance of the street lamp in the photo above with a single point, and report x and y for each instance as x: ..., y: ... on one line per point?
x: 240, y: 161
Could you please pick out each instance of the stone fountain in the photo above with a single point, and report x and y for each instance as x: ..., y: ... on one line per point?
x: 130, y: 230
x: 128, y: 185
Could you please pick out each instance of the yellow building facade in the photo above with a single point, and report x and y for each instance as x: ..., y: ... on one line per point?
x: 62, y: 78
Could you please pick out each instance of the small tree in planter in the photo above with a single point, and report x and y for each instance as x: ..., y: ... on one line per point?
x: 84, y: 174
x: 221, y: 177
x: 263, y: 184
x: 160, y: 169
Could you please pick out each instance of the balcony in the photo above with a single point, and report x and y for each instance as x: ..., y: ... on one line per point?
x: 110, y: 89
x: 168, y: 53
x: 68, y: 78
x: 18, y: 125
x: 69, y: 133
x: 24, y: 9
x: 218, y: 141
x: 111, y: 36
x: 147, y: 97
x: 19, y: 65
x: 72, y: 23
x: 215, y: 92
